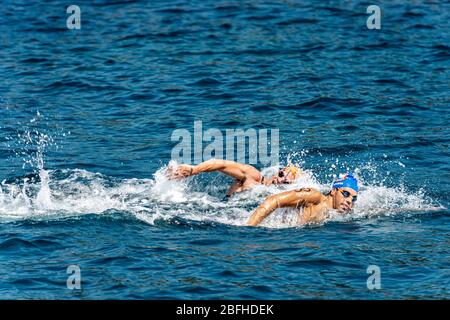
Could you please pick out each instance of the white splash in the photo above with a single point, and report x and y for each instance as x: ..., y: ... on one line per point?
x: 77, y: 192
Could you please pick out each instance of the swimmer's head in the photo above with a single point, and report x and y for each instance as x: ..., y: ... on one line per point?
x: 346, y: 181
x: 287, y: 175
x: 344, y: 192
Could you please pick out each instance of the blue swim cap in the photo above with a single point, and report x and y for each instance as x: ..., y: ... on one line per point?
x: 348, y: 181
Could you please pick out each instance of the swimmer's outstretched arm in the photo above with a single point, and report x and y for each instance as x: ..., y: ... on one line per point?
x: 294, y: 199
x: 231, y: 168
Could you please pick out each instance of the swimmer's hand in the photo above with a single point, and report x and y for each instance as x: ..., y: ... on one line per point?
x: 181, y: 172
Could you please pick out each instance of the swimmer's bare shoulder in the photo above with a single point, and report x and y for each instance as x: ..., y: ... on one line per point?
x: 308, y: 196
x: 304, y: 197
x: 314, y: 206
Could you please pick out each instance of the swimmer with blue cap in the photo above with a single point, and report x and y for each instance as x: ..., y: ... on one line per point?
x: 313, y: 205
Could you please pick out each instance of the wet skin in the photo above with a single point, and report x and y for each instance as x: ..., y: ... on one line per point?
x: 315, y: 205
x: 246, y: 176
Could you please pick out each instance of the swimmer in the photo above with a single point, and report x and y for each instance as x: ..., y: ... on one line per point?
x: 246, y: 176
x: 315, y: 205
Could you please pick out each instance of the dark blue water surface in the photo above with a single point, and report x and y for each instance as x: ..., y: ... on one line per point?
x: 86, y: 118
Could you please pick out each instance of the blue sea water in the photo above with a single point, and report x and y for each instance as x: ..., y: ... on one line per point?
x: 86, y: 118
